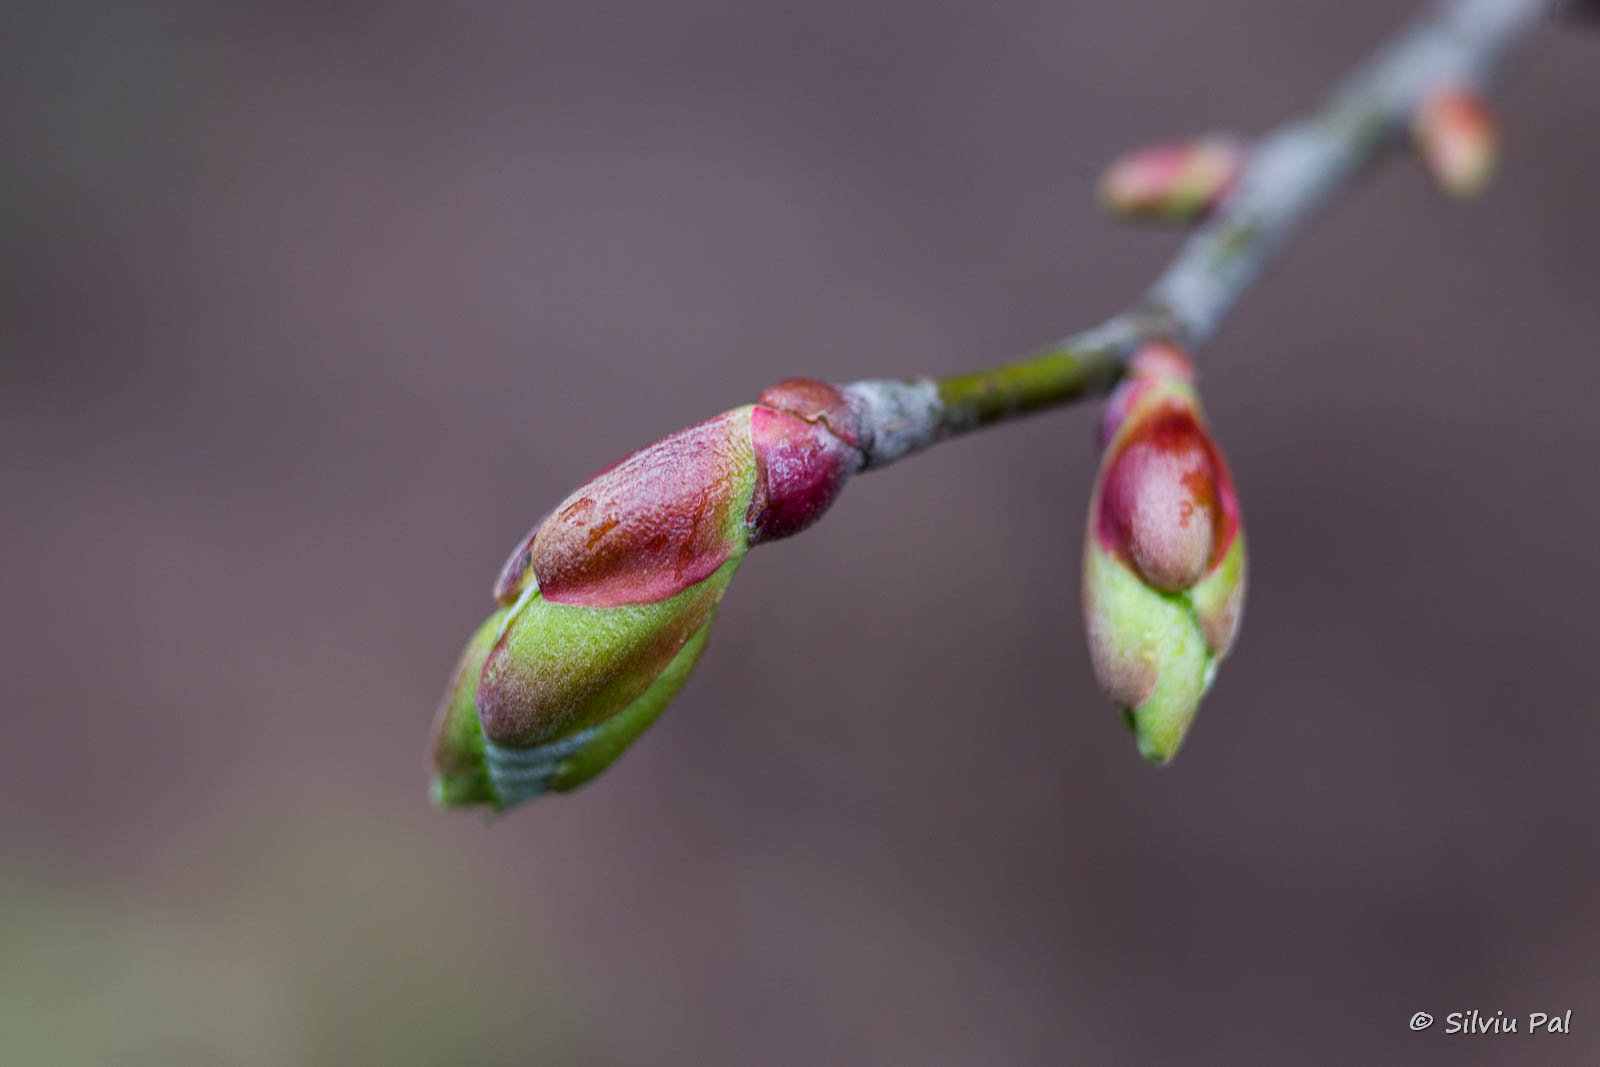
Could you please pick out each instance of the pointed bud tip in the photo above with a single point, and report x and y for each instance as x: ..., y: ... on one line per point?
x: 1154, y: 753
x: 456, y: 791
x: 516, y: 574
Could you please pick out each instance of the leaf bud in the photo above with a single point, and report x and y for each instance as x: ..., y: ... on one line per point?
x: 1164, y: 564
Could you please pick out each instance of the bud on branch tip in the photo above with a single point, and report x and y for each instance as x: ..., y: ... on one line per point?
x: 607, y: 604
x: 1164, y: 570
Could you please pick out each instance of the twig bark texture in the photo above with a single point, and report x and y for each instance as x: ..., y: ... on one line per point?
x: 1289, y: 175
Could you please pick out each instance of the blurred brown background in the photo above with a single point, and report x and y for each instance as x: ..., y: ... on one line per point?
x: 308, y: 311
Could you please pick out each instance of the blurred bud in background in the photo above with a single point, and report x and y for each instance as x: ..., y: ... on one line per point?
x: 1164, y: 565
x: 1172, y: 182
x: 607, y: 604
x: 1457, y: 139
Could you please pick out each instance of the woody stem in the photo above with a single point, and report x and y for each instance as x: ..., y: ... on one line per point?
x: 1288, y: 176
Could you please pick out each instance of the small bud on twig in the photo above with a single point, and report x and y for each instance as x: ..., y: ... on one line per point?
x: 1164, y: 553
x: 1173, y: 182
x: 607, y: 604
x: 1456, y: 136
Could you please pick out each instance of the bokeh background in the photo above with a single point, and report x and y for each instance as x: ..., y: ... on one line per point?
x: 308, y: 311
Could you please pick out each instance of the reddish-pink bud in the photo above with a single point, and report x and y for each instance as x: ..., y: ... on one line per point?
x: 648, y: 527
x: 1166, y: 503
x: 669, y: 515
x: 1457, y: 138
x: 1160, y: 501
x: 609, y: 600
x: 806, y: 439
x: 815, y: 401
x: 1172, y: 182
x: 1163, y: 562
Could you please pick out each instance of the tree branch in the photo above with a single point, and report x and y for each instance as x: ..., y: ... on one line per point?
x: 1289, y: 175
